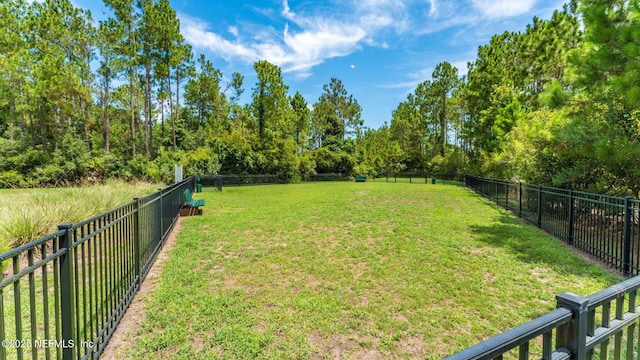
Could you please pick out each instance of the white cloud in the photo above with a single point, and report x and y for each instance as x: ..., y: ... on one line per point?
x: 286, y: 11
x: 197, y: 33
x: 313, y: 35
x: 314, y: 38
x: 503, y: 8
x: 433, y: 7
x: 310, y: 48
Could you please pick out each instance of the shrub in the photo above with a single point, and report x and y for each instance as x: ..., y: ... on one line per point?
x: 202, y: 161
x: 328, y: 162
x: 10, y: 179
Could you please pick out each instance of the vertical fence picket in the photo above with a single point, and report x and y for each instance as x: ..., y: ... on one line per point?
x: 32, y: 303
x: 17, y: 306
x: 161, y: 213
x: 571, y: 217
x: 506, y: 195
x: 136, y: 240
x: 3, y: 335
x: 627, y: 236
x: 539, y: 221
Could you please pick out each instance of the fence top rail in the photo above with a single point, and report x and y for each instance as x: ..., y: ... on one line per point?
x: 84, y: 236
x: 495, y: 181
x: 580, y: 195
x: 555, y: 191
x: 613, y: 292
x: 509, y: 340
x: 600, y: 197
x: 245, y: 175
x: 31, y: 245
x: 10, y: 279
x: 545, y: 188
x: 100, y: 216
x: 150, y: 197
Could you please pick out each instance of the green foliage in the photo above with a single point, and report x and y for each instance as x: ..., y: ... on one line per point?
x: 201, y: 161
x: 336, y: 115
x: 236, y: 155
x: 83, y: 102
x: 102, y: 166
x: 10, y: 179
x: 328, y: 161
x: 140, y: 167
x: 282, y: 158
x: 307, y: 165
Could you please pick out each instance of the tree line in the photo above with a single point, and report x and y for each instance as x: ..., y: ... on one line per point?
x: 555, y: 104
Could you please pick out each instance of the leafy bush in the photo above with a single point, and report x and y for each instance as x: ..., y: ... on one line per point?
x: 201, y: 161
x: 10, y: 179
x: 236, y: 155
x: 328, y: 162
x: 307, y: 165
x: 103, y: 166
x: 282, y: 158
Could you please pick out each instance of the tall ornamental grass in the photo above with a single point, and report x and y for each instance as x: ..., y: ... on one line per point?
x: 28, y: 214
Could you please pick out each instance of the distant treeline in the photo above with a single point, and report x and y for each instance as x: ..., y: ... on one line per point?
x: 80, y: 100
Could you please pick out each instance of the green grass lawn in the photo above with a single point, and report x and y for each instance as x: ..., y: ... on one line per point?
x: 351, y: 270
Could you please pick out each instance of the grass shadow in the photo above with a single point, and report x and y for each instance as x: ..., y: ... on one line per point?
x: 532, y: 245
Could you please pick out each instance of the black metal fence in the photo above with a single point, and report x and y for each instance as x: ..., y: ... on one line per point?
x: 606, y: 227
x: 65, y: 293
x: 580, y: 328
x: 422, y: 178
x: 266, y: 179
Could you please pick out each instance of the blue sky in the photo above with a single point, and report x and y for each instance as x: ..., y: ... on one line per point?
x: 380, y: 49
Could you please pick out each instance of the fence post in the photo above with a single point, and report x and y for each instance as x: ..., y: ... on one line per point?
x: 506, y: 195
x: 574, y: 338
x: 539, y: 206
x: 136, y: 239
x: 67, y: 292
x: 519, y: 199
x: 219, y: 182
x: 571, y: 217
x: 162, y: 215
x: 627, y: 236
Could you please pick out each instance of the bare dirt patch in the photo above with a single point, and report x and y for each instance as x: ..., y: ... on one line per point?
x: 135, y: 314
x: 340, y: 346
x: 414, y: 346
x: 401, y: 318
